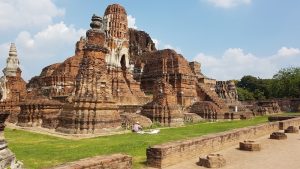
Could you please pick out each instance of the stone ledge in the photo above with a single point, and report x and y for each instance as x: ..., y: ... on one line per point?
x: 291, y: 122
x: 115, y: 161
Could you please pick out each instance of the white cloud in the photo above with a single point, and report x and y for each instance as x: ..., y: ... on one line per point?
x: 16, y: 14
x: 235, y: 63
x: 284, y: 51
x: 49, y: 42
x: 177, y: 49
x: 156, y: 42
x: 131, y: 22
x: 53, y: 44
x: 229, y: 3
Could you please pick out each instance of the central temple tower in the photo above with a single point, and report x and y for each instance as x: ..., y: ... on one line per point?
x: 116, y: 29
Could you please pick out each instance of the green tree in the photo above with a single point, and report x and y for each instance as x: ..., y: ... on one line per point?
x: 286, y: 83
x: 245, y: 95
x: 248, y: 82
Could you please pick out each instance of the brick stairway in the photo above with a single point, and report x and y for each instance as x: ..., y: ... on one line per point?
x: 213, y: 96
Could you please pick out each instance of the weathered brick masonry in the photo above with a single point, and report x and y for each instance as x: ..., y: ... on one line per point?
x: 115, y: 161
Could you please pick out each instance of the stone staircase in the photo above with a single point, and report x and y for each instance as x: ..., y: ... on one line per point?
x: 212, y: 96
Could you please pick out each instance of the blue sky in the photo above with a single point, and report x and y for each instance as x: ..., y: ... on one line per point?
x: 231, y: 38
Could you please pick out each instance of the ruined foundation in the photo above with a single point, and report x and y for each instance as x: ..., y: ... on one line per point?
x: 249, y: 145
x: 278, y: 136
x: 212, y: 161
x: 292, y: 129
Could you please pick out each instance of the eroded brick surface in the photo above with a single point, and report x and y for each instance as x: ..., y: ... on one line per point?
x: 115, y: 161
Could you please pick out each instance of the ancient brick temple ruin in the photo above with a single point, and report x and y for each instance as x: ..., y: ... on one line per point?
x: 91, y: 107
x: 115, y: 72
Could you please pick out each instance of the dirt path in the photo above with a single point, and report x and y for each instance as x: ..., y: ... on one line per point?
x: 275, y: 154
x: 52, y: 132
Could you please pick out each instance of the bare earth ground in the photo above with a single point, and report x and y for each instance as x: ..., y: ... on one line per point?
x: 275, y: 154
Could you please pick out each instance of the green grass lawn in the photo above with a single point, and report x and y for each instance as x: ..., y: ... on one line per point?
x: 39, y: 151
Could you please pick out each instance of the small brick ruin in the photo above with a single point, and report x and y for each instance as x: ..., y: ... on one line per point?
x: 278, y: 136
x: 291, y: 129
x: 249, y: 145
x: 212, y: 161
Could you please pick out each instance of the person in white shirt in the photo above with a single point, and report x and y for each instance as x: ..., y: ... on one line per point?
x: 137, y: 127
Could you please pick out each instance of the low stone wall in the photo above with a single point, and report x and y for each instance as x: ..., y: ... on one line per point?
x: 291, y: 122
x: 116, y: 161
x: 289, y: 105
x: 280, y: 118
x: 171, y: 153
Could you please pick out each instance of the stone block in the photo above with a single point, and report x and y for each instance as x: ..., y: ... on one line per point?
x: 212, y: 161
x: 291, y: 129
x: 249, y: 145
x: 278, y: 136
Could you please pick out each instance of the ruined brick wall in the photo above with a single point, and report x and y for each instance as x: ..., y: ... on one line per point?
x: 174, y: 68
x: 266, y: 107
x: 115, y: 161
x: 164, y: 108
x: 39, y: 112
x: 289, y: 105
x: 227, y: 91
x: 171, y: 153
x: 17, y: 92
x: 58, y: 79
x: 207, y: 110
x: 139, y: 43
x: 285, y: 104
x: 17, y: 87
x: 184, y: 78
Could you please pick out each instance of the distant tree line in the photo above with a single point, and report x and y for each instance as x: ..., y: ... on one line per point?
x: 284, y: 84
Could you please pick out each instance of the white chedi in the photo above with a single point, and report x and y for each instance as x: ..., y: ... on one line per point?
x: 12, y: 62
x: 12, y: 65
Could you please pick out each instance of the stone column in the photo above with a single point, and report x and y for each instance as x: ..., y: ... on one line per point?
x: 7, y: 158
